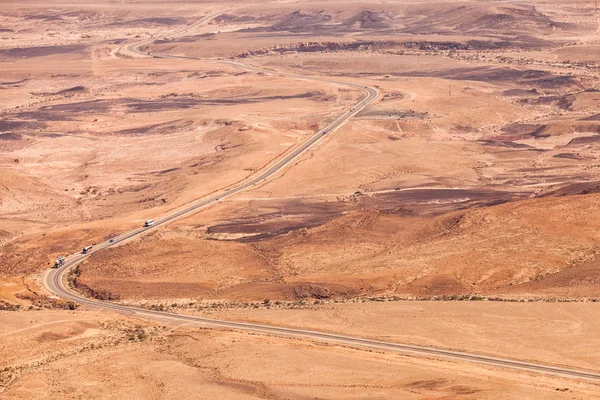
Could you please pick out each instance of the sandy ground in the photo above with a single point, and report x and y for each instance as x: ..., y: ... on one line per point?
x: 555, y: 333
x: 102, y: 356
x: 99, y: 136
x: 495, y: 251
x: 484, y: 124
x: 474, y: 174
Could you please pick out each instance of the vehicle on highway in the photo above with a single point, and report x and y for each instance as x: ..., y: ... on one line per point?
x: 148, y: 223
x: 111, y: 241
x: 398, y: 188
x: 60, y: 261
x: 86, y: 249
x: 58, y: 285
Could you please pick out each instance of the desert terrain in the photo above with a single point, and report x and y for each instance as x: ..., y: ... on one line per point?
x: 92, y: 355
x: 457, y: 210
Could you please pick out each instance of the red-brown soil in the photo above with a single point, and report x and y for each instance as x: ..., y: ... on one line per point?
x: 542, y: 247
x: 474, y: 175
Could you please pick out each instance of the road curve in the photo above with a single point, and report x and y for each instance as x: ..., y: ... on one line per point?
x: 54, y: 279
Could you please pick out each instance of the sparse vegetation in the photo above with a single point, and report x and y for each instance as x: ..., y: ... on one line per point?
x: 469, y: 187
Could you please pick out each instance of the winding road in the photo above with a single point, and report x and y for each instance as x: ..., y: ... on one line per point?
x: 55, y: 279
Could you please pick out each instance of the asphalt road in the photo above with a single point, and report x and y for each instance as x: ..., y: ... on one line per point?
x: 55, y: 280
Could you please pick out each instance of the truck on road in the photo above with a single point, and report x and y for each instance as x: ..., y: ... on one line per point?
x: 60, y: 261
x: 148, y: 223
x: 86, y: 249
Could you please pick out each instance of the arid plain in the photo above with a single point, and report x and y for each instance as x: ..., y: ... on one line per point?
x: 458, y: 211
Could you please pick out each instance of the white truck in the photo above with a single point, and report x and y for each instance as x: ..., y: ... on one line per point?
x: 60, y: 261
x: 148, y: 223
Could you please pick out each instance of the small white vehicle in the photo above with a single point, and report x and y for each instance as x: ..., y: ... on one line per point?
x: 148, y: 223
x: 86, y: 249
